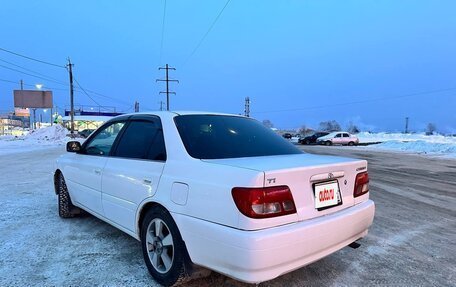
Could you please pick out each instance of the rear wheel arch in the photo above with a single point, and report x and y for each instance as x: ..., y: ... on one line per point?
x: 142, y: 213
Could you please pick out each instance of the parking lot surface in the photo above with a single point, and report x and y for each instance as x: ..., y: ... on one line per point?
x: 411, y: 243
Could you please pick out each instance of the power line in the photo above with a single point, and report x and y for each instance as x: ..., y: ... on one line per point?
x: 79, y: 85
x: 207, y: 32
x: 30, y: 58
x: 131, y: 108
x: 31, y: 85
x: 359, y: 102
x: 32, y: 75
x: 47, y: 78
x: 14, y: 82
x: 99, y: 95
x: 162, y: 33
x: 96, y: 94
x: 56, y: 80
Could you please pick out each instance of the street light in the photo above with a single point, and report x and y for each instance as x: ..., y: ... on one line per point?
x: 39, y: 86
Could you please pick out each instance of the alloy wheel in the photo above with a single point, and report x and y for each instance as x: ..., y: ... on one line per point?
x: 160, y: 245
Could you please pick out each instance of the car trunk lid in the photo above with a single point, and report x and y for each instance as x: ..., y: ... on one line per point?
x: 303, y: 174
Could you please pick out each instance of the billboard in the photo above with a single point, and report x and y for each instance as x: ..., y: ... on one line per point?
x: 32, y: 99
x: 20, y: 112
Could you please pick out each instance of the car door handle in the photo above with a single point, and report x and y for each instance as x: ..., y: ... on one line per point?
x: 97, y: 171
x: 147, y: 181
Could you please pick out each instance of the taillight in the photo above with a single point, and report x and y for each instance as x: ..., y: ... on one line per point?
x: 263, y: 202
x: 361, y: 184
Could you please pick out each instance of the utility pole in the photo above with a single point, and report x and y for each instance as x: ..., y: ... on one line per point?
x: 406, y: 124
x: 22, y: 84
x: 136, y: 107
x: 161, y: 105
x: 34, y: 119
x: 247, y: 107
x: 70, y: 72
x: 167, y: 80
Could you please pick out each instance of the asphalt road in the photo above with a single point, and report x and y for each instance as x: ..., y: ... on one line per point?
x: 411, y: 243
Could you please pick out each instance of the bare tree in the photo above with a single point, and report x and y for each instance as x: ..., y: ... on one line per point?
x: 302, y: 130
x: 329, y: 126
x: 430, y: 129
x: 268, y: 124
x: 352, y: 128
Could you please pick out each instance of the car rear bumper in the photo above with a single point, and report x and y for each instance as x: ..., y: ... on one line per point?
x: 257, y: 256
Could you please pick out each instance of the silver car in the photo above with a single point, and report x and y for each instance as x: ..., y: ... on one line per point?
x: 338, y: 138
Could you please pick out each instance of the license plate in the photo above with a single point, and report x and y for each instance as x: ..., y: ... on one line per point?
x: 326, y: 194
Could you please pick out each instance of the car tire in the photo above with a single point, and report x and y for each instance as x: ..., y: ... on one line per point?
x: 328, y: 143
x: 307, y: 142
x: 164, y: 251
x: 351, y: 143
x: 66, y: 207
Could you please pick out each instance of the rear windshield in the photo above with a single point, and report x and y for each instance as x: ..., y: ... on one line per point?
x: 217, y: 137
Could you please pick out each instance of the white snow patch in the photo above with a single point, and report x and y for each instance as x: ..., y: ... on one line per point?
x: 55, y: 133
x: 39, y: 139
x: 421, y: 147
x: 412, y: 143
x: 366, y: 137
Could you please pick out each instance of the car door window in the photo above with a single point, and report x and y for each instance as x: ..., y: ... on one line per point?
x: 142, y: 140
x: 102, y: 142
x: 346, y: 135
x: 338, y: 136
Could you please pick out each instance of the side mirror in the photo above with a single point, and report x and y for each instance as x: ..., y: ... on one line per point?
x: 73, y: 146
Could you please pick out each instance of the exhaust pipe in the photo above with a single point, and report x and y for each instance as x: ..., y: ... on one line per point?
x: 354, y: 245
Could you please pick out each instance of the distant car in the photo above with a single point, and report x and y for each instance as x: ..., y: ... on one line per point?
x: 338, y: 138
x: 86, y: 133
x: 287, y: 135
x: 219, y: 191
x: 312, y: 138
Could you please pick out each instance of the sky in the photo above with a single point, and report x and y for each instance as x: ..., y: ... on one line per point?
x: 372, y: 63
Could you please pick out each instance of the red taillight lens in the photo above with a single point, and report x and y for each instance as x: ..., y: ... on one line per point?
x: 361, y: 184
x: 264, y: 202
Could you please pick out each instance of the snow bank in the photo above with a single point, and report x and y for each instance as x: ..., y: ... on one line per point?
x: 55, y: 133
x: 412, y: 143
x: 39, y: 139
x: 366, y: 137
x: 421, y: 147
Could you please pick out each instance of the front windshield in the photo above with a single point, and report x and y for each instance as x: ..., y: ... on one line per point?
x: 217, y: 137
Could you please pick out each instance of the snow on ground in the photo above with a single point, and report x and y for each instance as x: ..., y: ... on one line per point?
x: 420, y: 146
x: 412, y: 143
x: 36, y: 140
x: 366, y: 137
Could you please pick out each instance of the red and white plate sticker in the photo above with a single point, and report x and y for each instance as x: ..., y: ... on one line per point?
x: 326, y: 194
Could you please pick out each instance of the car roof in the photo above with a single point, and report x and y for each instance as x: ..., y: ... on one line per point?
x: 335, y: 133
x: 158, y: 113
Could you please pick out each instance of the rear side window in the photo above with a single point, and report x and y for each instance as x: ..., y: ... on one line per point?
x: 142, y: 140
x: 338, y: 136
x: 216, y: 137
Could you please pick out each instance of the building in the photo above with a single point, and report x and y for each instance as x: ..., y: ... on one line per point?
x: 9, y: 125
x: 85, y: 122
x: 86, y: 117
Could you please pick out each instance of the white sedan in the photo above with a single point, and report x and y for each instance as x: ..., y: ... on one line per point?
x: 216, y: 191
x: 338, y: 138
